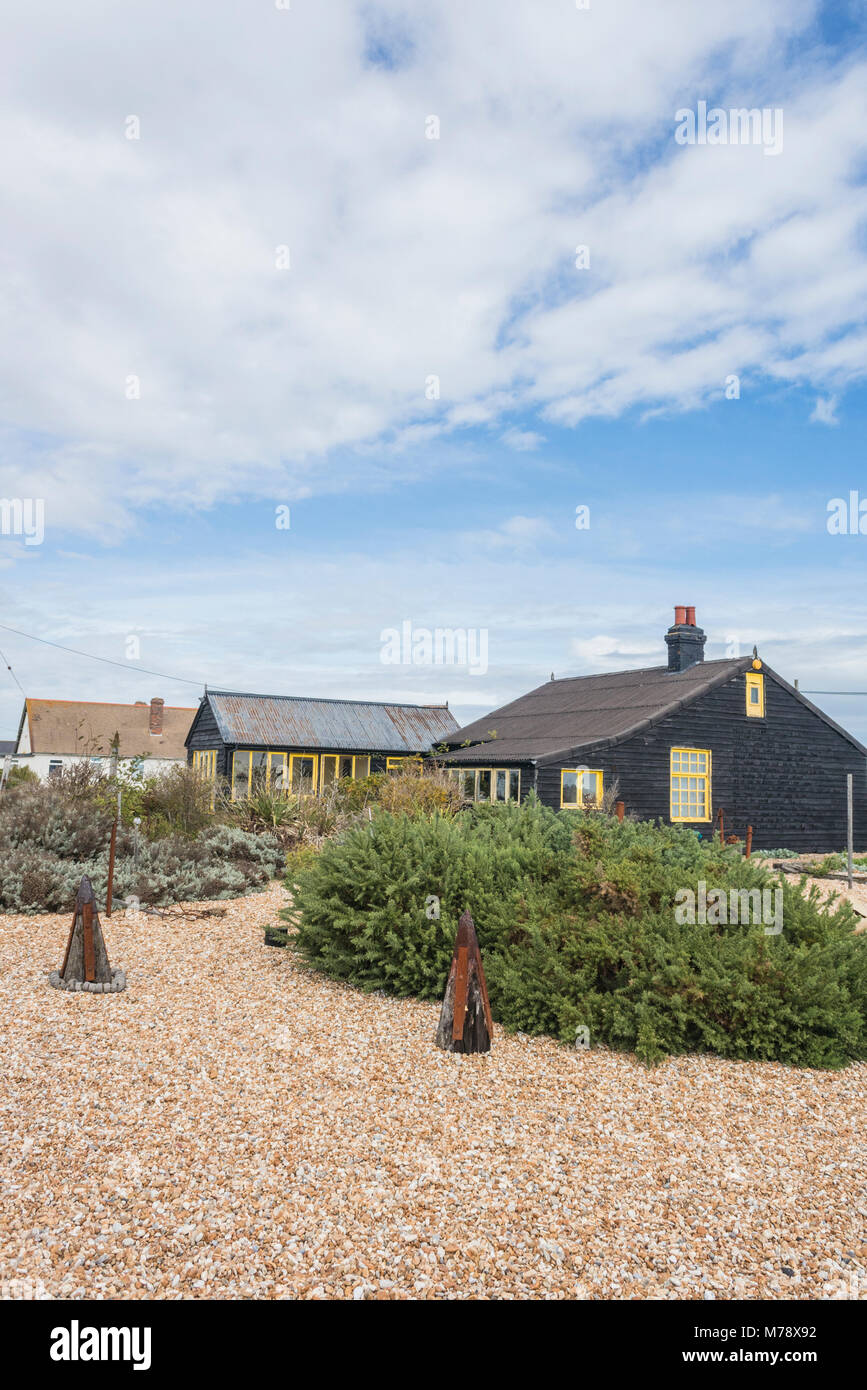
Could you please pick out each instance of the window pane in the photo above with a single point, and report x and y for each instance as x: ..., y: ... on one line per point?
x: 344, y: 765
x: 362, y: 767
x: 484, y: 788
x: 589, y: 788
x: 329, y: 769
x: 302, y: 775
x: 468, y: 785
x: 514, y: 785
x: 500, y: 792
x: 240, y: 775
x: 570, y: 789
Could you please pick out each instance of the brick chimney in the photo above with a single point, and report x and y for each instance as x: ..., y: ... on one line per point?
x: 156, y: 719
x: 685, y: 641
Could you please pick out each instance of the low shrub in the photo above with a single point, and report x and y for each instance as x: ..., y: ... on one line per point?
x: 177, y: 801
x: 576, y: 919
x: 831, y: 864
x: 19, y: 776
x: 223, y: 862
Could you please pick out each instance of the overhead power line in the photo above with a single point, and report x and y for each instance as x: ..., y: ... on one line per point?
x: 106, y: 660
x: 12, y: 674
x: 834, y: 692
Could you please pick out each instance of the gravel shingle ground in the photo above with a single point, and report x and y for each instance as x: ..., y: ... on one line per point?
x: 233, y: 1126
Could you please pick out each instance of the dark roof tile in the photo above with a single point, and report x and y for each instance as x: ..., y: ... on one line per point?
x: 584, y: 710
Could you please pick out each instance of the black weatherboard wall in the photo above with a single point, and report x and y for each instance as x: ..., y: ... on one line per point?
x: 781, y: 768
x: 784, y: 774
x: 205, y: 734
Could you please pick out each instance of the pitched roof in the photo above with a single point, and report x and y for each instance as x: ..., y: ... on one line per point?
x: 86, y: 728
x: 583, y: 710
x: 291, y: 721
x: 7, y: 745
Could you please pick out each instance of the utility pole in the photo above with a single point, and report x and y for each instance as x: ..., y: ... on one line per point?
x: 850, y: 826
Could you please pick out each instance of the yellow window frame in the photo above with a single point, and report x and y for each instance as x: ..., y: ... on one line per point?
x: 580, y: 772
x: 237, y: 763
x: 459, y: 773
x: 274, y: 762
x: 395, y: 764
x: 205, y: 763
x: 755, y: 701
x: 690, y: 771
x: 314, y: 781
x: 355, y: 759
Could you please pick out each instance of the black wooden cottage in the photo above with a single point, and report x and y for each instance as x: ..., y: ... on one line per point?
x: 678, y: 742
x: 303, y: 745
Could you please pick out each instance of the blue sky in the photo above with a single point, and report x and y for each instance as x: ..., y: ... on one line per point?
x: 155, y: 261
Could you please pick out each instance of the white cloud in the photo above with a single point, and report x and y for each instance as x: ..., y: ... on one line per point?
x: 825, y: 411
x: 522, y: 441
x: 410, y: 258
x: 521, y: 533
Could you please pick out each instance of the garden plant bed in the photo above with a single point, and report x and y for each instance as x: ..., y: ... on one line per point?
x: 233, y: 1125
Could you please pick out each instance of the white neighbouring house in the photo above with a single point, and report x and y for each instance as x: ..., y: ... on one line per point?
x: 53, y: 734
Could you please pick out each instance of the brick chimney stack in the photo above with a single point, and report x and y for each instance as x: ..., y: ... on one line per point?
x: 156, y: 716
x: 685, y: 641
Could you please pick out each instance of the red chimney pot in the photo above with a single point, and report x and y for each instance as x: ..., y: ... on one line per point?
x: 679, y: 615
x: 690, y: 617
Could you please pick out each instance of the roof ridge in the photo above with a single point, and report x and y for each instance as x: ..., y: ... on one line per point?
x: 323, y: 699
x: 115, y: 704
x: 640, y: 670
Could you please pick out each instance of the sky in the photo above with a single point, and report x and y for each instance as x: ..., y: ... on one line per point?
x: 321, y: 318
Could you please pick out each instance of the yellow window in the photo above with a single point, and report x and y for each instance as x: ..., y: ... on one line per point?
x: 205, y: 763
x: 488, y: 783
x: 277, y: 772
x: 302, y: 773
x: 580, y: 786
x: 755, y: 695
x: 328, y: 764
x: 241, y: 775
x: 360, y: 766
x: 690, y: 784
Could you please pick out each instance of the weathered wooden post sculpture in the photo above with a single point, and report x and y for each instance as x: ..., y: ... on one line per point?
x: 465, y: 1021
x: 85, y: 964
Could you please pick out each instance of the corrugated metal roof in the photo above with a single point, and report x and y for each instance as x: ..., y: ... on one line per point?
x: 290, y: 721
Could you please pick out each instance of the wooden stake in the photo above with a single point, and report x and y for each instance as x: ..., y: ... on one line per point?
x: 621, y: 808
x: 465, y: 1020
x: 110, y: 887
x: 749, y: 848
x: 86, y: 958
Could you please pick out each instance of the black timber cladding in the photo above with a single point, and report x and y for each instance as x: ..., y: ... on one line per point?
x: 784, y: 774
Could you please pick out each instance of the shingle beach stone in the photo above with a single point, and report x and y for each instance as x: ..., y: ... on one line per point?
x: 233, y: 1125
